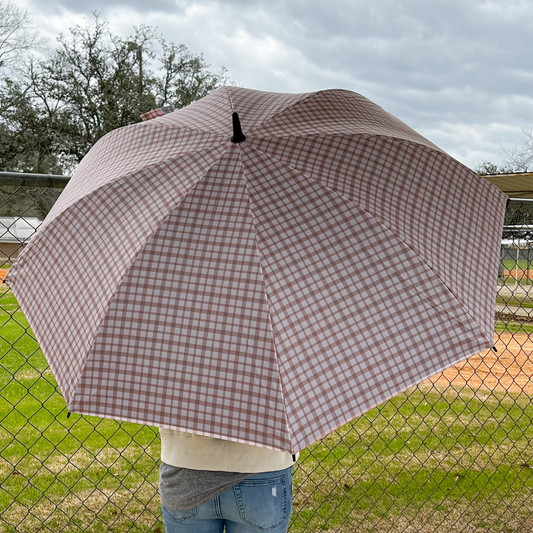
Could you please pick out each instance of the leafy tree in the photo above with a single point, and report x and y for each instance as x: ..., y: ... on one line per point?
x: 518, y: 214
x: 488, y: 168
x: 92, y: 83
x: 30, y: 136
x: 185, y: 77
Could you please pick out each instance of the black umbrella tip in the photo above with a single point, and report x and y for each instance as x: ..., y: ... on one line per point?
x: 238, y: 136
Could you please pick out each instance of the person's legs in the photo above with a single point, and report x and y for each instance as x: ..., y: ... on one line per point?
x: 201, y: 519
x: 262, y: 502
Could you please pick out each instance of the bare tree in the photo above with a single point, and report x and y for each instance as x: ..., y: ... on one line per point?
x: 520, y: 158
x: 517, y: 159
x: 16, y: 32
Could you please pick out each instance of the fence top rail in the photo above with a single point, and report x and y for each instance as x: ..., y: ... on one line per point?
x: 24, y: 179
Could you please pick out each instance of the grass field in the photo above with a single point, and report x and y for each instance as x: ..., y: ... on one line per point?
x: 523, y: 264
x: 430, y: 459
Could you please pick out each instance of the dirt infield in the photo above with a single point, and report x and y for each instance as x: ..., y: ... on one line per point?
x: 511, y: 369
x: 522, y: 274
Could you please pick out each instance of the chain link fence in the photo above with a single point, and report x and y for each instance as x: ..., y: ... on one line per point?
x: 452, y: 454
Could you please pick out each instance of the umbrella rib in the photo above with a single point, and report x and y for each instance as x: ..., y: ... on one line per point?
x: 428, y: 145
x: 389, y: 395
x: 230, y: 100
x: 419, y: 138
x: 122, y: 176
x: 292, y: 105
x: 266, y: 302
x: 40, y: 231
x: 336, y: 193
x: 305, y: 98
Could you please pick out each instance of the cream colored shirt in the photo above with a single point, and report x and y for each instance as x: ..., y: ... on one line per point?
x: 196, y: 452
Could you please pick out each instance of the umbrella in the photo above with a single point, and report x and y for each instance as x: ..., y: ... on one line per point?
x: 261, y: 267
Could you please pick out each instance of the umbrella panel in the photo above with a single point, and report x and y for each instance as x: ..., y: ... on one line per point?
x: 356, y: 315
x: 451, y: 217
x: 186, y: 342
x: 63, y: 299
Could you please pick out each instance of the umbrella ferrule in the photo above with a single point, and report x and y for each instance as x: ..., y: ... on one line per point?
x: 238, y: 136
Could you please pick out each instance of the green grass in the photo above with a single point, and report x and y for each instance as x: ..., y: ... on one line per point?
x: 77, y: 472
x: 523, y: 264
x: 526, y: 304
x: 416, y: 459
x: 420, y: 453
x: 513, y: 327
x: 510, y: 281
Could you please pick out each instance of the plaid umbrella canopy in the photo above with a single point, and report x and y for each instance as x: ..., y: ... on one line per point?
x: 263, y: 285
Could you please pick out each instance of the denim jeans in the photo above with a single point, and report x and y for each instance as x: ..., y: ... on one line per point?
x: 262, y: 502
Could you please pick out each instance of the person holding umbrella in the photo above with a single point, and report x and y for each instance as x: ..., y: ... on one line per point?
x: 209, y: 484
x: 276, y: 265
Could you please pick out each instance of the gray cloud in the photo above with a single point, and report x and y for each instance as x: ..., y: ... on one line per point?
x: 459, y: 71
x: 81, y: 6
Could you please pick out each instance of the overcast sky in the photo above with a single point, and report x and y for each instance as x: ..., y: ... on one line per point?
x: 458, y: 71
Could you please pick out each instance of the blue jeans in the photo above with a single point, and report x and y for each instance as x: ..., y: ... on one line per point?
x: 262, y: 502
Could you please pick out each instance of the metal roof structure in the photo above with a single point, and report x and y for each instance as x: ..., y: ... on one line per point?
x: 514, y: 185
x: 18, y: 230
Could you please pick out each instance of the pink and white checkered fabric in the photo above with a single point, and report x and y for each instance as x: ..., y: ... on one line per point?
x: 154, y: 113
x: 264, y: 292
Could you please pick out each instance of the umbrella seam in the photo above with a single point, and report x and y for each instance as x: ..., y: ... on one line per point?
x: 382, y: 224
x: 169, y: 126
x: 307, y: 96
x: 21, y: 260
x: 401, y: 390
x: 250, y: 133
x: 290, y: 106
x: 318, y: 93
x: 267, y: 304
x: 230, y: 100
x: 45, y: 224
x: 104, y: 314
x: 433, y: 148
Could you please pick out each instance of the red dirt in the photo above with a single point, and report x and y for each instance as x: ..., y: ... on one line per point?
x: 510, y: 369
x: 521, y: 274
x: 3, y: 273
